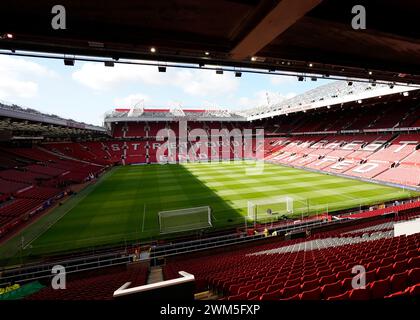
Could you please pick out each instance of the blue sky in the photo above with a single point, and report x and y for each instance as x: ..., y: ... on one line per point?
x: 87, y: 90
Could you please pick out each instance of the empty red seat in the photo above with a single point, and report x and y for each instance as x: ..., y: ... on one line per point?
x: 387, y: 261
x: 359, y: 294
x: 415, y: 290
x: 327, y: 279
x: 246, y: 288
x: 309, y: 285
x: 294, y: 297
x: 241, y: 296
x: 255, y: 293
x: 290, y: 291
x: 292, y: 282
x: 414, y: 262
x: 384, y: 272
x: 274, y: 287
x: 399, y: 266
x: 380, y: 289
x: 314, y: 294
x: 274, y: 295
x: 346, y: 284
x: 399, y: 281
x: 414, y: 276
x: 331, y: 290
x: 343, y: 296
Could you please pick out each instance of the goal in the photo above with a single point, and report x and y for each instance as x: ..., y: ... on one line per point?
x: 267, y: 208
x: 185, y: 219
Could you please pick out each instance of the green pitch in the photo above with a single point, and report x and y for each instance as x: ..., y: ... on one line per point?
x: 123, y: 206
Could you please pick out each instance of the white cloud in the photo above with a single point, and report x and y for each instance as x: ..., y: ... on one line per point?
x: 98, y: 77
x: 206, y: 82
x: 193, y: 82
x: 18, y: 77
x: 131, y: 100
x: 260, y: 99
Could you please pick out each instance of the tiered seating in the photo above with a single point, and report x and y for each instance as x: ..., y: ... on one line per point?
x: 10, y: 187
x: 135, y: 130
x: 36, y: 192
x: 94, y: 285
x: 45, y: 170
x: 22, y: 176
x: 17, y: 209
x: 392, y: 265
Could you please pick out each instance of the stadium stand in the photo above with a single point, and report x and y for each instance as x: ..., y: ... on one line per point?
x: 298, y: 270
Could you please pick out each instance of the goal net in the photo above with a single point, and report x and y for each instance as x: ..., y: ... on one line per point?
x: 267, y: 208
x: 185, y: 219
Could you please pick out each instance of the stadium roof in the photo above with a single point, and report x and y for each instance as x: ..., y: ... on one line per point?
x: 337, y: 92
x: 149, y: 114
x: 312, y: 36
x: 16, y: 121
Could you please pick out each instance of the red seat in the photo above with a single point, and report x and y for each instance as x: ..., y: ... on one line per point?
x: 309, y: 277
x: 346, y: 284
x: 400, y: 266
x: 274, y: 287
x: 398, y: 281
x: 255, y: 293
x: 322, y: 273
x: 384, y: 272
x: 359, y: 294
x: 290, y: 291
x: 387, y: 261
x: 314, y: 294
x: 414, y: 262
x: 294, y: 297
x: 415, y: 290
x: 398, y: 294
x: 309, y: 285
x: 274, y: 295
x: 241, y: 296
x: 246, y: 288
x: 343, y: 296
x: 327, y: 279
x: 380, y: 288
x: 292, y: 282
x: 331, y: 290
x: 414, y: 276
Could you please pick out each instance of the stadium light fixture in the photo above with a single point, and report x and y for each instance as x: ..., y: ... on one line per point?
x: 359, y: 101
x: 68, y: 62
x: 350, y: 83
x: 370, y: 73
x: 161, y: 69
x: 310, y: 65
x: 314, y: 79
x: 9, y: 35
x: 152, y: 49
x: 253, y: 58
x: 109, y: 63
x: 219, y: 71
x: 405, y: 94
x: 391, y: 86
x: 207, y: 53
x: 238, y: 74
x: 300, y: 78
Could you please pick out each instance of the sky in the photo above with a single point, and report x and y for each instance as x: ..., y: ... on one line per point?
x: 86, y: 91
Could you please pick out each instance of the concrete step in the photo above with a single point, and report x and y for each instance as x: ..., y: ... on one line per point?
x: 155, y: 275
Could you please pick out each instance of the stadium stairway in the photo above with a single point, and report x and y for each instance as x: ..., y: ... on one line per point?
x: 155, y: 275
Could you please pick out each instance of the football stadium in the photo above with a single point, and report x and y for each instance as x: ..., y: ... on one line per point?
x: 312, y: 196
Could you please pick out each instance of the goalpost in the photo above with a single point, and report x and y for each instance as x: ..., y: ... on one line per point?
x: 185, y: 219
x: 267, y: 208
